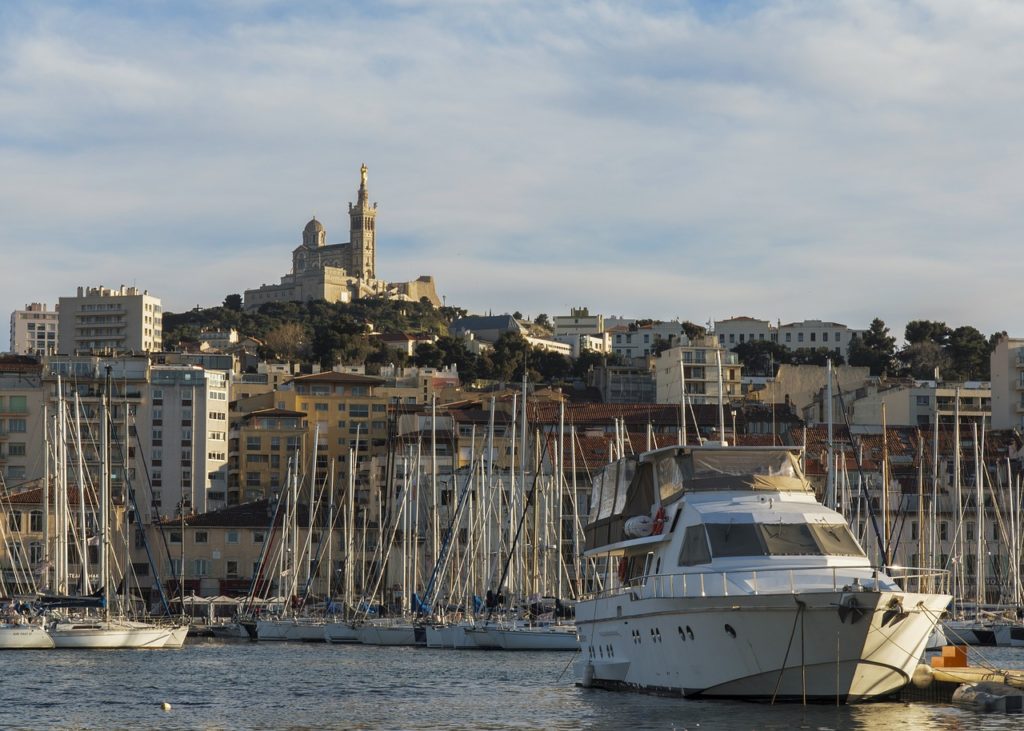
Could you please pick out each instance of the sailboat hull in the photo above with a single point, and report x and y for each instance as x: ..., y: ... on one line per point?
x: 107, y: 636
x: 24, y: 637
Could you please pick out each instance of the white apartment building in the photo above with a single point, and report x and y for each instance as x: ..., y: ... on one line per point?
x: 34, y: 330
x: 105, y: 320
x: 638, y: 341
x: 814, y: 334
x: 183, y: 427
x: 579, y: 343
x: 579, y: 321
x: 805, y: 335
x: 1007, y: 362
x: 919, y: 403
x: 700, y: 370
x: 738, y: 330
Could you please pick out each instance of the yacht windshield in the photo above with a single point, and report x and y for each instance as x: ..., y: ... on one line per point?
x: 730, y: 540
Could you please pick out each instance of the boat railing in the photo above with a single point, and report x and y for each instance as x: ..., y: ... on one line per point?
x: 781, y: 580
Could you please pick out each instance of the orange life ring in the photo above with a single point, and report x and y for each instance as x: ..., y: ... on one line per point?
x: 659, y: 522
x: 622, y: 570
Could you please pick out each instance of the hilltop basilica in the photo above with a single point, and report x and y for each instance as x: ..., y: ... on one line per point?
x: 340, y: 272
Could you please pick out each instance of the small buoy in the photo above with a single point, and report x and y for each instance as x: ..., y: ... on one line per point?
x: 165, y: 706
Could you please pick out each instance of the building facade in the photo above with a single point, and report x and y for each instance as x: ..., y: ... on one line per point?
x: 1007, y: 362
x: 34, y: 330
x: 101, y: 320
x: 699, y: 363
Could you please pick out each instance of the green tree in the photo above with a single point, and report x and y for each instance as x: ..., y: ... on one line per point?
x: 921, y: 359
x: 428, y: 355
x: 762, y: 357
x: 816, y: 356
x: 508, y: 356
x: 969, y: 353
x: 693, y: 331
x: 876, y: 349
x: 542, y: 320
x: 233, y: 302
x: 919, y: 331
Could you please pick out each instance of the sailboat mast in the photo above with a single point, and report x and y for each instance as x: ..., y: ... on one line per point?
x: 84, y: 540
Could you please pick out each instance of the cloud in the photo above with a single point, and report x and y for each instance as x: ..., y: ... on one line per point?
x: 785, y: 160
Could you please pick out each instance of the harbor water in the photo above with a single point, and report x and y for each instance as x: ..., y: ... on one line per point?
x: 242, y: 685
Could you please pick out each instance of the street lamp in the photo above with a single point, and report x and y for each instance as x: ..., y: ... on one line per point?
x: 734, y: 442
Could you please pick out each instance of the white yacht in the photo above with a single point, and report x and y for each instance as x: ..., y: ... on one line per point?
x: 724, y: 577
x: 103, y: 634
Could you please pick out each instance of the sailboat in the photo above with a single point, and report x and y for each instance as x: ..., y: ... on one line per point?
x: 84, y: 630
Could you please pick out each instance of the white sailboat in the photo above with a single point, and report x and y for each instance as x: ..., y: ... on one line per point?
x: 106, y: 631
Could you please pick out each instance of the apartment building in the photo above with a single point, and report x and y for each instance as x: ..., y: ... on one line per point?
x: 101, y: 320
x: 1007, y: 361
x: 34, y: 330
x: 699, y: 362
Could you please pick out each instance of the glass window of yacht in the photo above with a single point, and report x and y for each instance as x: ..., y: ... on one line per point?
x: 609, y: 482
x: 669, y: 475
x: 836, y: 540
x: 789, y: 539
x: 695, y: 547
x: 734, y: 539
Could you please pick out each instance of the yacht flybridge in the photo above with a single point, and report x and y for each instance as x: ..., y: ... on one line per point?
x: 723, y: 576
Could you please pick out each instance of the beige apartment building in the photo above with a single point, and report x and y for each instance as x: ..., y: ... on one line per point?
x: 699, y: 360
x: 34, y: 330
x: 101, y: 320
x: 1007, y: 361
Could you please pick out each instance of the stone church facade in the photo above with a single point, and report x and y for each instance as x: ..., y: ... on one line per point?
x: 340, y: 272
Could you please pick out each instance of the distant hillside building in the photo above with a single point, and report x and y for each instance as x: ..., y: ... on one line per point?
x: 34, y: 330
x: 487, y: 327
x: 101, y: 320
x: 340, y: 272
x: 806, y: 335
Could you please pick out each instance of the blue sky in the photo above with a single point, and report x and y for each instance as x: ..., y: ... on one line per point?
x: 783, y: 160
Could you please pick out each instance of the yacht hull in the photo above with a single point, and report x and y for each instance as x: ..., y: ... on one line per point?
x: 393, y: 635
x: 770, y: 646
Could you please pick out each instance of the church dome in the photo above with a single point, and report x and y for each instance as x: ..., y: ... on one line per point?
x: 314, y: 235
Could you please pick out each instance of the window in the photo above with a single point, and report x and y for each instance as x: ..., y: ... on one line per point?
x: 789, y: 337
x: 359, y: 410
x: 320, y: 407
x: 16, y: 449
x: 16, y: 426
x: 231, y: 537
x: 969, y: 531
x: 175, y: 536
x: 200, y: 567
x: 35, y: 521
x: 14, y: 520
x: 231, y: 569
x: 202, y: 536
x: 253, y: 443
x: 923, y: 400
x: 695, y: 547
x: 258, y: 536
x: 799, y: 337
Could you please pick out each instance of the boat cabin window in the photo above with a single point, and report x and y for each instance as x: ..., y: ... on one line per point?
x: 627, y: 468
x: 735, y: 539
x: 671, y: 473
x: 789, y: 539
x: 730, y: 540
x: 608, y: 484
x: 695, y: 547
x: 743, y: 462
x: 836, y: 540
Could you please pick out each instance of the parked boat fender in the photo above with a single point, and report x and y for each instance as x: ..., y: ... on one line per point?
x: 588, y: 676
x: 659, y: 522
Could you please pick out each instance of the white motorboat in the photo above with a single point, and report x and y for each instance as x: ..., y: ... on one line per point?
x: 100, y: 634
x: 15, y: 636
x: 725, y: 577
x: 537, y: 637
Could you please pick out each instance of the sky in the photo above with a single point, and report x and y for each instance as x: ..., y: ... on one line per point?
x: 694, y: 160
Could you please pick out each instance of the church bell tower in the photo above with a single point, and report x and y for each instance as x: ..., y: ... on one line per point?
x: 362, y: 217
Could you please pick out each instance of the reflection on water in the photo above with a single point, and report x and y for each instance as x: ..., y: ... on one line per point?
x: 272, y: 686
